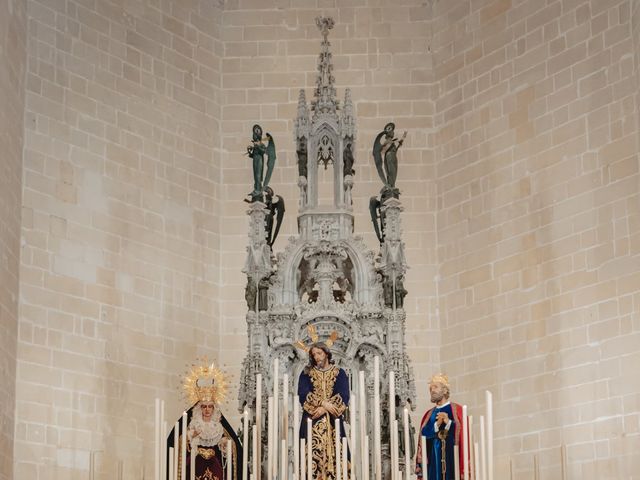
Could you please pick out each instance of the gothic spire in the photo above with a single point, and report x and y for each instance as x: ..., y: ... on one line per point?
x: 325, y: 93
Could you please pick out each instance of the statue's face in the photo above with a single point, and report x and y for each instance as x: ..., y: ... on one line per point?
x: 207, y: 410
x: 319, y: 357
x: 389, y: 129
x: 257, y: 132
x: 437, y: 392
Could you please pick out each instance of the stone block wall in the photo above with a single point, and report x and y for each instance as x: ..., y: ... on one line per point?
x: 122, y: 188
x: 538, y: 221
x: 13, y: 61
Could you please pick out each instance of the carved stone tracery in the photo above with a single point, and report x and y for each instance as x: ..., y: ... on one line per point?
x: 327, y: 276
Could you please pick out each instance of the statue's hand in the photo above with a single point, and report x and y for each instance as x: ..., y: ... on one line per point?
x: 318, y: 412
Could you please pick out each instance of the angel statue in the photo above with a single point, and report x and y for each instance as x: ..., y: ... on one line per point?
x: 385, y: 150
x: 257, y: 150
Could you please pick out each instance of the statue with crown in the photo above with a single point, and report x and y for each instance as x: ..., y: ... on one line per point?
x: 203, y: 445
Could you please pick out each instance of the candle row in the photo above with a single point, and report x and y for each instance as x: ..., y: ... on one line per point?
x: 478, y: 457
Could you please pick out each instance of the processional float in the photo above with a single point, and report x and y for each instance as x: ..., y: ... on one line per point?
x: 326, y: 284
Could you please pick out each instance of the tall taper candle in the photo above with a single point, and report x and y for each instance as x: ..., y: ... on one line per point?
x: 229, y: 460
x: 245, y: 443
x: 172, y: 473
x: 366, y: 458
x: 285, y: 418
x: 563, y: 460
x: 183, y: 448
x: 345, y: 454
x: 465, y: 443
x: 284, y: 465
x: 258, y: 452
x: 483, y: 451
x: 392, y: 417
x: 176, y: 448
x: 472, y: 464
x: 476, y: 460
x: 456, y: 462
x: 270, y: 446
x: 276, y: 416
x: 255, y: 464
x: 377, y: 444
x: 423, y: 456
x: 353, y: 411
x: 362, y: 396
x: 296, y: 439
x: 192, y: 463
x: 163, y: 439
x: 309, y: 451
x: 336, y: 430
x: 157, y: 445
x: 303, y: 463
x: 405, y: 420
x: 396, y: 449
x: 489, y: 413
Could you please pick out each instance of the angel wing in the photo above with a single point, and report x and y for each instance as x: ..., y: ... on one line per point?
x: 377, y: 157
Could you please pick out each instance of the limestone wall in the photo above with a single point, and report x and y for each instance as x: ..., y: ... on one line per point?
x: 120, y: 272
x: 538, y: 227
x: 13, y: 57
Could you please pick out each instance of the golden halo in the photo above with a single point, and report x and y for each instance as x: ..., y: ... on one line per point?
x: 313, y: 335
x: 204, y: 382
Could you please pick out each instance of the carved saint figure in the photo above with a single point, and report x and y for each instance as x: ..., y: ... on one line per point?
x: 385, y: 155
x: 257, y: 150
x: 442, y: 425
x: 323, y: 389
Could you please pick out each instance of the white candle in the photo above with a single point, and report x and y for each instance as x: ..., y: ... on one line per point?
x: 472, y: 464
x: 276, y: 417
x: 303, y: 464
x: 405, y: 420
x: 482, y: 468
x: 163, y: 437
x: 285, y: 418
x: 338, y: 445
x: 377, y: 445
x: 489, y: 413
x: 172, y: 473
x: 92, y: 465
x: 465, y: 443
x: 192, y: 468
x: 392, y: 417
x: 258, y: 452
x: 183, y: 448
x: 345, y: 453
x: 396, y: 450
x: 563, y: 461
x: 476, y: 460
x: 157, y: 437
x: 456, y: 462
x: 366, y: 458
x: 245, y: 443
x: 270, y: 447
x: 229, y: 460
x: 176, y: 449
x: 423, y: 456
x: 353, y: 411
x: 296, y: 440
x: 254, y: 439
x: 283, y: 460
x: 309, y: 451
x: 362, y: 395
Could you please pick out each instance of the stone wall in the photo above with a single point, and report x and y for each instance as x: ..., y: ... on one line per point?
x: 13, y: 59
x: 538, y: 227
x: 120, y: 272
